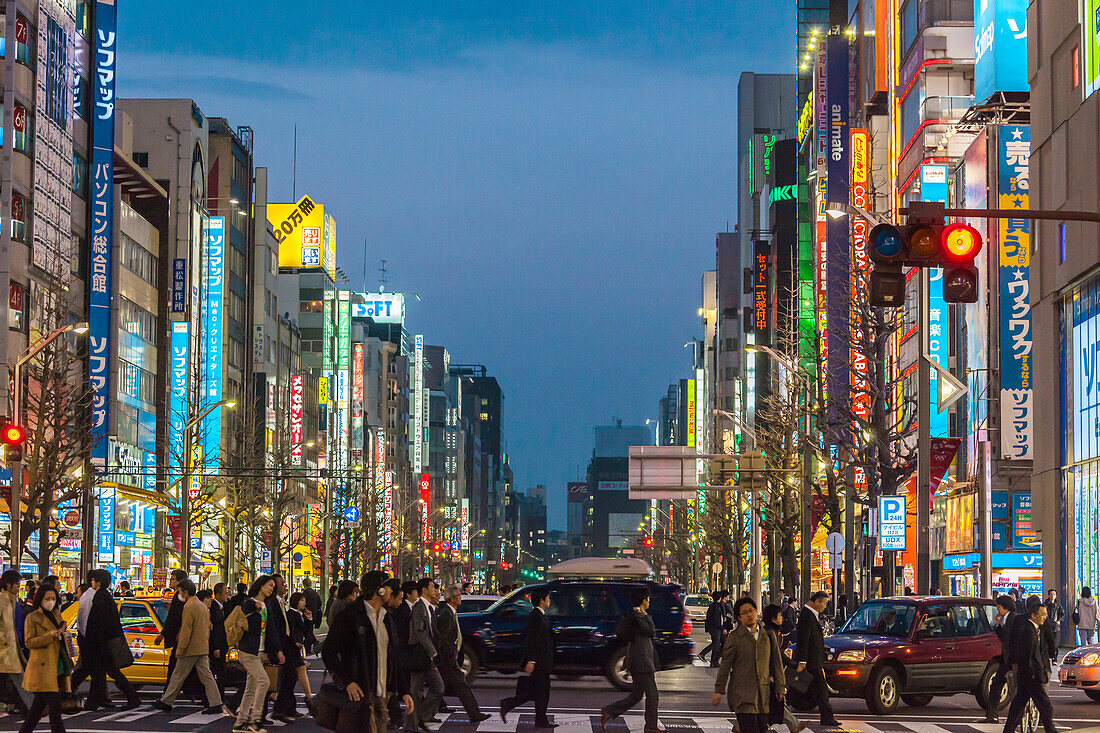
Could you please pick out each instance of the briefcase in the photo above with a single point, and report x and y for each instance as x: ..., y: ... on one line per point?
x: 334, y: 710
x: 800, y: 682
x: 121, y: 656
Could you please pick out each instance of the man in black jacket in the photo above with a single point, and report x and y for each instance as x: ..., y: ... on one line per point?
x: 450, y: 654
x: 103, y: 626
x: 219, y: 644
x: 716, y: 618
x: 236, y: 600
x: 810, y: 655
x: 285, y: 708
x: 313, y: 605
x: 402, y: 615
x: 538, y: 662
x: 351, y: 652
x: 1004, y: 626
x: 636, y: 628
x: 171, y: 629
x: 1032, y: 663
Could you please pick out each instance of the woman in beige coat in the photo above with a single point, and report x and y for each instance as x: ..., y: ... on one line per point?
x: 11, y: 657
x: 49, y: 665
x: 751, y: 665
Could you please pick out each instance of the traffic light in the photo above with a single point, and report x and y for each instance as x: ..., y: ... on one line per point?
x: 12, y: 437
x: 751, y: 471
x: 924, y: 241
x: 437, y: 547
x: 647, y: 542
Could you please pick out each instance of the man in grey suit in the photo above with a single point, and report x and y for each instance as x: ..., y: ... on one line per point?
x: 426, y: 687
x: 450, y: 654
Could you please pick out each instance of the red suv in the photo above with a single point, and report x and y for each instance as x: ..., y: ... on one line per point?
x: 915, y: 648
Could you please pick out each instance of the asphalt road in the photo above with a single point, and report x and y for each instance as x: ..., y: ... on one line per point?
x: 575, y: 703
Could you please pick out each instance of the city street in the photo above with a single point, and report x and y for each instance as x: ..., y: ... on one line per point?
x: 575, y: 704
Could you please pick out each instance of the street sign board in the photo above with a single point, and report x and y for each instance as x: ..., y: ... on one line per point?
x: 351, y: 514
x: 834, y: 543
x: 891, y: 523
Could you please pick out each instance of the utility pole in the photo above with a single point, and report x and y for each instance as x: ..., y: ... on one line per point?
x: 924, y: 444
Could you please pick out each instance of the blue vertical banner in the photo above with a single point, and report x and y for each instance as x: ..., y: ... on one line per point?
x: 101, y: 251
x: 178, y: 398
x: 837, y: 244
x: 105, y: 542
x: 213, y: 265
x: 1014, y: 304
x: 1000, y: 47
x: 933, y: 187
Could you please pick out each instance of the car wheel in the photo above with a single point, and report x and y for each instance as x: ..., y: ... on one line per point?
x: 1094, y: 695
x: 981, y: 694
x: 883, y: 690
x: 471, y: 665
x: 616, y: 672
x: 916, y: 701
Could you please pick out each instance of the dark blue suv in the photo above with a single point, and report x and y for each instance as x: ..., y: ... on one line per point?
x: 584, y: 615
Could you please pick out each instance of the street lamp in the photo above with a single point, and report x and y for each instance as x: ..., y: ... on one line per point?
x: 14, y: 539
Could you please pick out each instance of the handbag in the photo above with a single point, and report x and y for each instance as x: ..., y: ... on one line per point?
x: 121, y: 656
x: 334, y: 710
x: 800, y: 682
x: 71, y: 703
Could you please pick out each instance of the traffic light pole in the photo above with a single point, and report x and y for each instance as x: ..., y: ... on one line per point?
x: 1033, y: 214
x: 924, y: 445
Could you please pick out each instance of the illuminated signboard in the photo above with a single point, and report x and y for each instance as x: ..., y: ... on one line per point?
x: 387, y: 520
x: 297, y: 387
x: 933, y: 187
x: 1090, y: 25
x: 838, y: 245
x: 101, y: 201
x: 690, y: 402
x: 465, y: 517
x: 381, y: 479
x: 425, y: 495
x: 380, y: 307
x: 306, y: 235
x: 357, y: 402
x: 418, y: 405
x: 213, y: 239
x: 760, y: 291
x: 1014, y: 240
x: 861, y: 273
x: 1000, y: 47
x: 177, y: 396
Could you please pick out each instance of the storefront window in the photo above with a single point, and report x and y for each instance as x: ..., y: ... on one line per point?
x: 21, y: 120
x: 18, y: 217
x: 80, y: 175
x: 24, y: 43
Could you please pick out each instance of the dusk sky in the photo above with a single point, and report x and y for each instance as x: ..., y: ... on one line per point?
x: 548, y: 176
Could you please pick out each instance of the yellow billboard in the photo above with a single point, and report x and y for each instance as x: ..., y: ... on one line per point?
x: 306, y: 235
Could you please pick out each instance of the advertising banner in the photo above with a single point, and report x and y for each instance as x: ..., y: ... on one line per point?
x: 934, y: 188
x: 106, y: 526
x: 387, y: 519
x: 838, y: 281
x: 690, y: 409
x: 179, y: 285
x: 465, y: 517
x: 975, y: 180
x: 102, y: 195
x: 300, y: 232
x: 380, y: 307
x: 861, y: 274
x: 425, y: 496
x: 1090, y: 25
x: 1000, y: 47
x: 297, y: 389
x: 213, y: 263
x: 1014, y: 247
x: 178, y: 398
x: 761, y: 253
x: 1023, y: 532
x: 1084, y: 387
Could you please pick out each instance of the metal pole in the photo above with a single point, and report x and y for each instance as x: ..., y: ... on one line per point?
x: 985, y: 513
x: 16, y: 524
x: 807, y: 510
x: 849, y: 543
x: 185, y: 501
x: 924, y: 446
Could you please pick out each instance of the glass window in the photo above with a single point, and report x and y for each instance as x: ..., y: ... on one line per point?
x: 24, y: 40
x: 19, y: 206
x: 936, y: 622
x: 138, y: 260
x: 137, y: 320
x: 80, y: 175
x: 969, y: 621
x: 883, y: 619
x: 137, y: 619
x: 21, y: 121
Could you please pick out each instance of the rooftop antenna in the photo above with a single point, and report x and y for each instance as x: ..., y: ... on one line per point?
x: 364, y: 264
x: 382, y: 276
x: 294, y: 168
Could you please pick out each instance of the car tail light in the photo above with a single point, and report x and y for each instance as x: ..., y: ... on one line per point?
x: 685, y: 628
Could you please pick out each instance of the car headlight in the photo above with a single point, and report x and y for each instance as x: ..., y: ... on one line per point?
x: 231, y: 656
x: 853, y: 655
x: 1089, y: 659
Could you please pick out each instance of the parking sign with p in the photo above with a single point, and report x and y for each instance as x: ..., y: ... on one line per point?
x: 891, y: 512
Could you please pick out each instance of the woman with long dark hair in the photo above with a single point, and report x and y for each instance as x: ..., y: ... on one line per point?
x: 250, y: 652
x: 49, y: 665
x: 299, y: 629
x: 777, y: 623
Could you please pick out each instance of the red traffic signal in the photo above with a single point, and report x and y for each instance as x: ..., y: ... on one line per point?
x: 924, y: 242
x: 437, y: 547
x: 647, y: 542
x: 12, y: 437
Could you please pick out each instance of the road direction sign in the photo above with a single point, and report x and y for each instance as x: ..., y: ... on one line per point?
x: 351, y: 514
x: 891, y: 523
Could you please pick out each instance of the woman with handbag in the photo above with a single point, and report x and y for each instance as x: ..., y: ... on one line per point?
x: 105, y: 646
x: 254, y: 643
x: 50, y: 665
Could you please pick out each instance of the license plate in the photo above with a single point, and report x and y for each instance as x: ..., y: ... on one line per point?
x: 1064, y: 675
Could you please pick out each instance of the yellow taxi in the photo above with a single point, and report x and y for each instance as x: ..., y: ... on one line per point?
x: 142, y: 621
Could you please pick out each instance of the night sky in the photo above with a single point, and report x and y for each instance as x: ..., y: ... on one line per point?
x: 548, y: 176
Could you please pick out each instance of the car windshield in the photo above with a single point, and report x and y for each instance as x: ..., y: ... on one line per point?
x: 521, y: 598
x: 697, y: 601
x: 883, y: 619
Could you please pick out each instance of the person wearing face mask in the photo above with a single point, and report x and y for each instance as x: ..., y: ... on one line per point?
x: 193, y: 650
x: 49, y: 664
x: 172, y: 622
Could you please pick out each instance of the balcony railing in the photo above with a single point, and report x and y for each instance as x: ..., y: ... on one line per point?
x: 916, y: 15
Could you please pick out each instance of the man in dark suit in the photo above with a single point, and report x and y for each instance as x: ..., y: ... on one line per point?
x: 450, y: 655
x: 103, y: 626
x: 402, y: 615
x: 313, y: 605
x: 1032, y: 663
x: 236, y: 600
x: 1004, y: 626
x: 538, y: 662
x: 285, y: 707
x: 810, y: 655
x: 637, y: 630
x: 219, y: 644
x: 426, y: 687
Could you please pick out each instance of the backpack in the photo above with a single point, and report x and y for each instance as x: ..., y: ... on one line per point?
x: 235, y: 626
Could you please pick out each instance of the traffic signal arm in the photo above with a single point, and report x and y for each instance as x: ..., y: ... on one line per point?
x: 1034, y: 214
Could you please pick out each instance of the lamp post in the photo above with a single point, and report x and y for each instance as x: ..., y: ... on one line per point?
x: 15, y: 539
x: 185, y: 482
